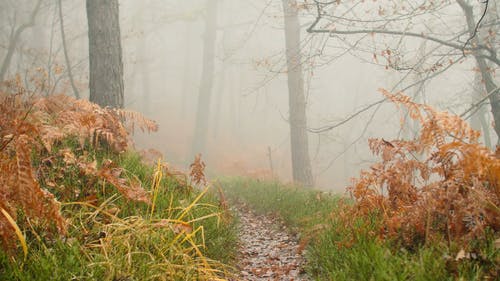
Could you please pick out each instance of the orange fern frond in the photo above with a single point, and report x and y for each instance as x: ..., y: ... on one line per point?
x: 133, y: 118
x: 34, y: 200
x: 31, y: 124
x: 197, y: 172
x: 441, y: 184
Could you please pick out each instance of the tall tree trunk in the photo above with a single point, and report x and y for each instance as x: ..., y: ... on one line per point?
x: 489, y: 84
x: 220, y: 90
x: 301, y: 163
x: 105, y: 53
x: 207, y: 78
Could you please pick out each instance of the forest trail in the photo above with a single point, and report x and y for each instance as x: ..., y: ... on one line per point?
x: 267, y: 250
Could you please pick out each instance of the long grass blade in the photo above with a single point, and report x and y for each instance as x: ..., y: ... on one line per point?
x: 156, y: 185
x: 19, y: 234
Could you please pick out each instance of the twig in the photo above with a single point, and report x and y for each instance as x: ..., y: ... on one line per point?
x: 474, y: 33
x: 491, y: 93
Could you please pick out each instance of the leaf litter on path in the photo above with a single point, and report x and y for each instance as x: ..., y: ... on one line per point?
x: 267, y: 250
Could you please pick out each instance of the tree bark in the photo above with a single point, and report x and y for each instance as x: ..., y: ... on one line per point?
x: 489, y: 83
x: 207, y: 79
x: 105, y: 53
x: 301, y: 163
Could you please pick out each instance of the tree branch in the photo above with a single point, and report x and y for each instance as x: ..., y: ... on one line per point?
x: 479, y: 103
x: 464, y: 6
x: 411, y: 34
x: 491, y: 57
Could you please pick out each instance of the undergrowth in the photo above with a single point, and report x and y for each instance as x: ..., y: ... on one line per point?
x: 79, y: 204
x: 298, y: 207
x: 337, y: 252
x: 429, y: 210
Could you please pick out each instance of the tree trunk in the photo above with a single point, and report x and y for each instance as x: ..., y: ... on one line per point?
x: 186, y: 78
x: 207, y: 77
x: 144, y: 95
x: 489, y: 84
x: 301, y: 164
x: 220, y: 91
x: 14, y: 37
x: 105, y: 53
x: 478, y: 119
x: 65, y: 50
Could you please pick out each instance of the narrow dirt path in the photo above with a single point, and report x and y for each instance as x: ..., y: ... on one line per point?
x: 267, y: 249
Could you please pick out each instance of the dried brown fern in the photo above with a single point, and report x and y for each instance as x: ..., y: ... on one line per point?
x: 132, y: 118
x: 129, y: 189
x: 30, y: 124
x: 18, y: 185
x: 35, y: 201
x: 442, y: 184
x: 197, y: 173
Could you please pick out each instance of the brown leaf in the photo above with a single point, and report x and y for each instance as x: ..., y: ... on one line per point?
x: 175, y: 227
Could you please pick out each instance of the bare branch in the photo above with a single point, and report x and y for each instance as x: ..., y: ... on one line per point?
x: 479, y: 103
x: 492, y: 56
x: 466, y: 7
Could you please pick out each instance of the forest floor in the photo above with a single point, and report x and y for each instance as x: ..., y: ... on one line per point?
x: 267, y: 249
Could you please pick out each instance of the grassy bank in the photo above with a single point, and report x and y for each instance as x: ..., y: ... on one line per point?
x: 187, y: 236
x: 353, y: 251
x: 77, y: 202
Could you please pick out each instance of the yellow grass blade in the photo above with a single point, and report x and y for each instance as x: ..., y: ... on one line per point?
x: 188, y: 208
x: 19, y: 234
x: 158, y: 175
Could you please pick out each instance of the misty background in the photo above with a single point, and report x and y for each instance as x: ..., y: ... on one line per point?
x: 249, y: 134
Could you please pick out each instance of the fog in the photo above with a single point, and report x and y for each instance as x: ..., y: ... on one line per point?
x: 248, y: 121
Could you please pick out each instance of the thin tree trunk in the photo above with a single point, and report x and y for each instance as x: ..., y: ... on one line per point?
x: 186, y: 79
x: 478, y: 120
x: 105, y: 53
x: 146, y: 86
x: 234, y: 77
x: 219, y: 98
x: 489, y: 83
x: 301, y: 163
x: 65, y: 49
x: 14, y: 38
x: 207, y: 77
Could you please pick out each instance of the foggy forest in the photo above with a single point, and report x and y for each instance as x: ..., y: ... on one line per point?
x: 249, y: 140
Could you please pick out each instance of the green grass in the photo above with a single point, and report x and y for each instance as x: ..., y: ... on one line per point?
x: 300, y: 208
x: 337, y: 253
x: 130, y: 244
